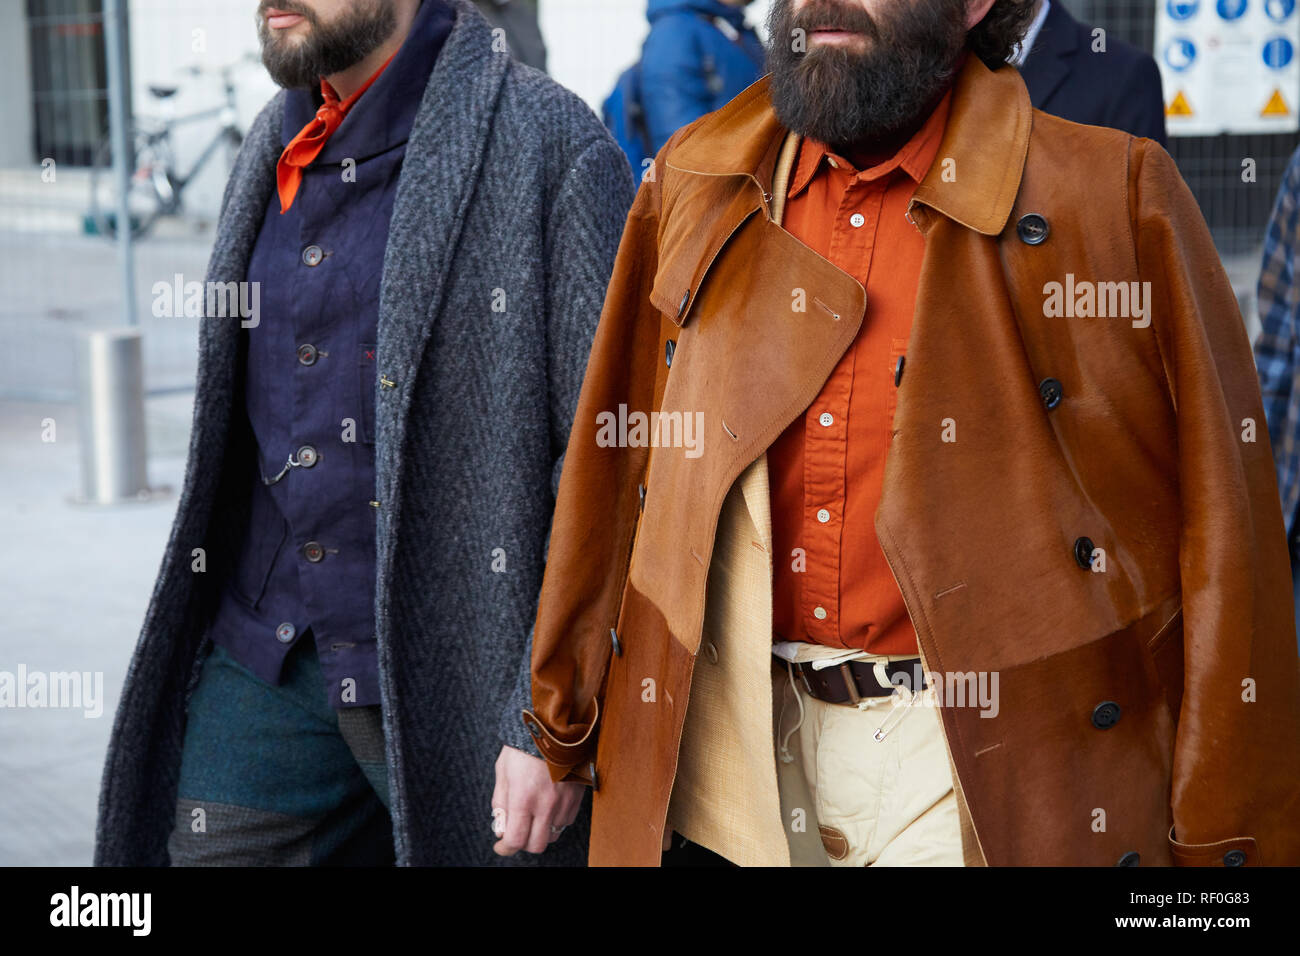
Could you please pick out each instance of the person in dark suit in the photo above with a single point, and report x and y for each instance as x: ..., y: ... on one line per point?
x: 1069, y: 76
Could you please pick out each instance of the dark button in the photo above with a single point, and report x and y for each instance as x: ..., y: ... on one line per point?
x: 1131, y: 858
x: 1083, y: 549
x: 640, y: 490
x: 1032, y: 229
x: 618, y: 648
x: 307, y: 354
x: 312, y: 255
x: 1105, y: 715
x: 595, y: 780
x: 1051, y: 390
x: 1234, y: 858
x: 285, y: 633
x: 669, y: 348
x: 533, y: 727
x: 686, y: 297
x: 313, y: 552
x: 307, y: 456
x: 898, y: 370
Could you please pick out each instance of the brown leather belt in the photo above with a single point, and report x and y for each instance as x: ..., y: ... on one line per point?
x: 855, y: 680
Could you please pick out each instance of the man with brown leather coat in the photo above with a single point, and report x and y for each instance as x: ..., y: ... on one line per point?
x: 919, y: 505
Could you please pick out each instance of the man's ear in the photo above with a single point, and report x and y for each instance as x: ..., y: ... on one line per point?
x: 976, y: 11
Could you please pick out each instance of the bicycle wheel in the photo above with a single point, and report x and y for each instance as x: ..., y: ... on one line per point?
x: 150, y: 191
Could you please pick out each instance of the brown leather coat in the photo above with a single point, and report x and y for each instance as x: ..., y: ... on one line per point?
x: 1179, y: 610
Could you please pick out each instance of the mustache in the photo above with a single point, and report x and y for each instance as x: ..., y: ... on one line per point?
x: 833, y: 15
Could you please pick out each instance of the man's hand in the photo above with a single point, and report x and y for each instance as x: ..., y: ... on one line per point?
x: 528, y: 810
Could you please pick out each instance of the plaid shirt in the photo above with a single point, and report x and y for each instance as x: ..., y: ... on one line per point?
x: 1277, y: 350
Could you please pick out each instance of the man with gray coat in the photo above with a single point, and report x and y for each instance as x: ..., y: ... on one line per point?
x: 334, y: 661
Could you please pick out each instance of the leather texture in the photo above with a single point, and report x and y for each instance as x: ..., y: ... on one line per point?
x: 1186, y: 623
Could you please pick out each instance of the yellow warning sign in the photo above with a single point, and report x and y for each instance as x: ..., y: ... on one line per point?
x: 1276, y: 106
x: 1178, y: 106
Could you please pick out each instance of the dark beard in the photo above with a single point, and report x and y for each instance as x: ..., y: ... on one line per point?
x: 852, y: 99
x: 330, y: 47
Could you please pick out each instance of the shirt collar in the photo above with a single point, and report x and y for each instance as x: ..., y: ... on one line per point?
x: 914, y: 158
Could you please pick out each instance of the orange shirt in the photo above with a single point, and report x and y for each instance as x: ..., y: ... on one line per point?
x: 832, y: 584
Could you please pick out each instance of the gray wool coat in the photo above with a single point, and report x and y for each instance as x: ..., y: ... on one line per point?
x: 510, y: 188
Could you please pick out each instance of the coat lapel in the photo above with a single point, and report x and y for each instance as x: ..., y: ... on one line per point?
x: 444, y: 155
x: 1050, y: 59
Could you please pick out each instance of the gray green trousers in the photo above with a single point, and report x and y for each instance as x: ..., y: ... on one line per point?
x: 274, y: 776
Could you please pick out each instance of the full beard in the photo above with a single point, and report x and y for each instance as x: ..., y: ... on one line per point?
x: 851, y: 98
x: 300, y: 62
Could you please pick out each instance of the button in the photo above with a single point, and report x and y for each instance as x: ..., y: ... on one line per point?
x: 1234, y: 858
x: 313, y: 552
x: 826, y: 419
x: 857, y: 220
x: 285, y: 633
x: 898, y: 370
x: 595, y: 780
x: 1032, y: 229
x: 307, y: 456
x: 312, y: 255
x: 711, y: 650
x: 1131, y: 858
x: 669, y: 348
x: 613, y: 637
x: 833, y: 163
x: 307, y: 354
x: 686, y: 297
x: 533, y: 727
x: 823, y: 515
x: 1083, y: 549
x: 1105, y: 715
x: 1050, y: 390
x: 819, y: 613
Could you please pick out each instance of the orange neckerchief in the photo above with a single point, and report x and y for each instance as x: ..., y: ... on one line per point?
x: 306, y: 146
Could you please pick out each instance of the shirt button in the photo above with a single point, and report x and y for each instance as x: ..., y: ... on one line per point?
x: 285, y: 633
x: 823, y: 516
x: 819, y: 613
x: 307, y: 354
x: 826, y: 419
x: 312, y: 255
x: 307, y: 456
x: 834, y: 164
x: 858, y: 220
x: 313, y: 552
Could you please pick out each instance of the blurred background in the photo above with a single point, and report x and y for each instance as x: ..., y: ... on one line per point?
x: 78, y: 562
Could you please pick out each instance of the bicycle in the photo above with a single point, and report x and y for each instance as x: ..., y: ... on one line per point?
x: 156, y: 185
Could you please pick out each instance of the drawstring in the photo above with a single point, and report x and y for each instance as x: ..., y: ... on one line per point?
x: 786, y: 756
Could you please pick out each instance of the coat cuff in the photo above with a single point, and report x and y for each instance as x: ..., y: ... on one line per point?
x: 1238, y: 851
x: 568, y: 760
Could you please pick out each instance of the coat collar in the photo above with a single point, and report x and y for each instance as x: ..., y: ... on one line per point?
x: 987, y: 137
x: 1049, y: 60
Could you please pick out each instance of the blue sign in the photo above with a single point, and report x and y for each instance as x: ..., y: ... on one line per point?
x: 1181, y: 9
x: 1179, y: 53
x: 1279, y: 10
x: 1231, y: 9
x: 1278, y: 53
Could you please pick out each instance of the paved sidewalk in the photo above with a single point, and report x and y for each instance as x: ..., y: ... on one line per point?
x: 74, y: 584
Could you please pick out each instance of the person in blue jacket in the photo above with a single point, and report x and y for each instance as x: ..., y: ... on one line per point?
x: 699, y: 54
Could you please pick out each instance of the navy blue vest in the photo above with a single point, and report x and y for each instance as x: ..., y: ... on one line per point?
x: 306, y: 569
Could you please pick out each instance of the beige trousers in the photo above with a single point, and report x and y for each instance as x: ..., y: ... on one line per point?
x: 887, y: 802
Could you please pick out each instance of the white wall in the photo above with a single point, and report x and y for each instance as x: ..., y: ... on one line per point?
x: 16, y: 74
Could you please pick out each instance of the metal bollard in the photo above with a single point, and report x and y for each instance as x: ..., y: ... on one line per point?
x: 110, y: 382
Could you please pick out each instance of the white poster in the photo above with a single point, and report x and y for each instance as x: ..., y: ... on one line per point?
x: 1229, y: 66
